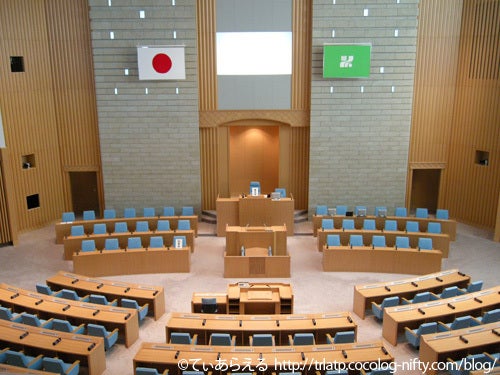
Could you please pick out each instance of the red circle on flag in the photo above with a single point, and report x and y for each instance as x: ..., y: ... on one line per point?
x: 162, y: 63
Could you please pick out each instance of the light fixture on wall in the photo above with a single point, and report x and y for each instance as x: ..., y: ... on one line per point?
x: 142, y: 14
x: 111, y: 35
x: 2, y: 135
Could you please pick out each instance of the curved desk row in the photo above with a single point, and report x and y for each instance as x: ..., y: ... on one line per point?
x: 385, y: 259
x: 457, y: 344
x: 89, y: 350
x: 76, y: 312
x: 132, y: 261
x: 259, y: 360
x: 364, y: 295
x: 411, y: 316
x: 244, y: 326
x: 439, y: 241
x: 63, y: 229
x: 448, y: 227
x: 73, y: 244
x: 153, y: 295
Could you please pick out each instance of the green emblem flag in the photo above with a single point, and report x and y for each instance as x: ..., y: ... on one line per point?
x: 346, y: 60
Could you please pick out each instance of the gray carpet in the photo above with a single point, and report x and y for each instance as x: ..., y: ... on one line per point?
x: 38, y: 257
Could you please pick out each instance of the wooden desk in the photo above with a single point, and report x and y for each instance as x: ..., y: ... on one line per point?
x: 254, y: 211
x: 126, y: 320
x: 259, y: 236
x: 364, y: 295
x: 244, y: 326
x: 439, y: 241
x: 386, y: 260
x: 448, y: 227
x: 72, y: 244
x: 89, y: 350
x: 153, y: 295
x: 63, y: 229
x: 134, y: 261
x: 9, y: 370
x: 440, y: 346
x: 237, y: 300
x: 398, y: 317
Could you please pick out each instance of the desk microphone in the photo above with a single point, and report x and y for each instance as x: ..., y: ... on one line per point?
x: 439, y: 279
x: 387, y: 288
x: 57, y: 341
x: 463, y: 339
x: 344, y: 353
x: 414, y: 284
x: 385, y: 350
x: 277, y: 323
x: 314, y: 322
x: 177, y: 354
x: 478, y: 300
x: 24, y: 335
x: 91, y: 346
x: 74, y: 281
x: 349, y: 319
x: 451, y: 306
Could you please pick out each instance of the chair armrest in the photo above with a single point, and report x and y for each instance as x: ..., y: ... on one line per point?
x: 233, y: 340
x: 290, y: 340
x: 114, y: 302
x: 475, y: 322
x: 329, y: 339
x: 442, y: 327
x: 194, y: 339
x: 85, y: 298
x: 74, y: 364
x: 410, y: 331
x: 362, y: 372
x: 35, y: 360
x: 112, y: 333
x: 435, y: 296
x: 47, y: 324
x: 80, y: 327
x: 461, y: 291
x: 145, y: 306
x: 165, y: 372
x: 405, y: 301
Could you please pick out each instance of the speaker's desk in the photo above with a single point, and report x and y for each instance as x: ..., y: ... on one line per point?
x: 365, y: 294
x: 385, y: 260
x: 250, y: 298
x: 63, y: 229
x: 411, y: 316
x: 457, y: 344
x: 448, y: 226
x: 439, y: 241
x: 310, y: 359
x: 244, y: 326
x: 153, y: 295
x: 132, y: 261
x: 126, y: 320
x: 254, y: 211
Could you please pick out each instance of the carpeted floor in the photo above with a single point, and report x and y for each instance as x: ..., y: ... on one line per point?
x: 38, y: 257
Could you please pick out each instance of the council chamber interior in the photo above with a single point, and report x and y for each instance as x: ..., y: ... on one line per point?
x: 249, y: 187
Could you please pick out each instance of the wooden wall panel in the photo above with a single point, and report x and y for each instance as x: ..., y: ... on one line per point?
x: 209, y: 167
x: 299, y: 172
x: 207, y: 73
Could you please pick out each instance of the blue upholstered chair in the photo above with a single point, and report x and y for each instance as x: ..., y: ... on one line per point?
x: 7, y: 314
x: 68, y: 217
x: 400, y: 212
x: 134, y: 243
x: 121, y: 227
x: 412, y: 226
x: 322, y: 210
x: 369, y: 224
x: 332, y: 240
x: 110, y: 337
x: 391, y: 225
x: 402, y: 242
x: 89, y: 215
x: 19, y: 359
x: 419, y: 298
x: 425, y: 243
x: 262, y: 339
x: 168, y: 211
x: 156, y: 242
x: 343, y: 337
x: 65, y: 326
x: 222, y: 339
x: 60, y: 367
x: 326, y: 224
x: 192, y: 372
x: 378, y: 371
x: 356, y: 240
x: 381, y: 211
x: 132, y: 304
x: 88, y: 245
x: 413, y: 335
x: 100, y: 228
x: 336, y: 372
x: 209, y: 305
x: 347, y: 224
x: 459, y: 323
x: 72, y: 295
x: 302, y: 339
x: 183, y: 338
x: 378, y: 241
x: 176, y: 239
x: 378, y: 310
x: 34, y: 321
x: 163, y: 226
x: 152, y: 371
x: 341, y: 209
x: 129, y: 212
x: 442, y: 214
x: 422, y: 213
x: 109, y: 213
x: 111, y: 244
x: 449, y: 292
x: 102, y: 300
x: 77, y: 230
x: 45, y: 289
x: 254, y: 185
x: 463, y: 366
x: 183, y: 225
x: 491, y: 316
x: 282, y: 192
x: 141, y: 226
x: 148, y: 212
x: 434, y: 227
x: 360, y: 211
x: 187, y: 211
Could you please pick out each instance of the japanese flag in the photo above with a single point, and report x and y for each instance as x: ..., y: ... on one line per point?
x: 161, y: 63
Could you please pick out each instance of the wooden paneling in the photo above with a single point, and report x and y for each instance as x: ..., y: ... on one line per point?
x: 209, y: 167
x: 207, y: 73
x: 299, y: 172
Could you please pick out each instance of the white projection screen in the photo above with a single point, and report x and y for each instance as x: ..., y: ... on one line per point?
x: 254, y: 54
